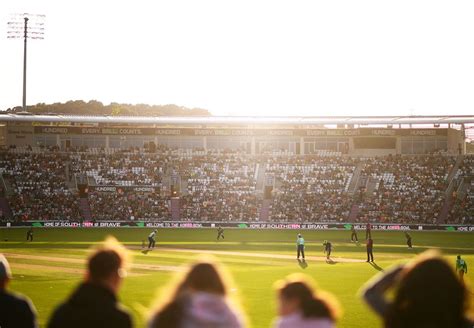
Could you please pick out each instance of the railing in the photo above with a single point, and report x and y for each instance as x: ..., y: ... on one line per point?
x: 3, y: 184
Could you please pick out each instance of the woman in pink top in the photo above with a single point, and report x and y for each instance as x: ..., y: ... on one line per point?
x: 300, y: 306
x: 198, y: 300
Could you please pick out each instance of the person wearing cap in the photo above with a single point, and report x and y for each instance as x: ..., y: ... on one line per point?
x: 15, y: 311
x: 94, y: 303
x: 300, y: 246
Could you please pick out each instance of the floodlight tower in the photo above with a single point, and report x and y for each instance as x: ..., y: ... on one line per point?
x: 26, y: 26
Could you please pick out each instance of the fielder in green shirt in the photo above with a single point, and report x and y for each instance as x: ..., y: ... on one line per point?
x: 461, y: 267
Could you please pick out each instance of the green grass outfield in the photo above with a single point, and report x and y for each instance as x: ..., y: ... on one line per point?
x: 48, y: 269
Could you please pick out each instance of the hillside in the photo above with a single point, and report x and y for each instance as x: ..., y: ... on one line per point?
x: 93, y: 107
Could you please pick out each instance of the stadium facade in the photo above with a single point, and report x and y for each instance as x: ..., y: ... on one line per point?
x: 363, y: 136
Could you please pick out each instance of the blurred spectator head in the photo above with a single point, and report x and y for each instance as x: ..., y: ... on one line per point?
x: 203, y: 277
x: 107, y: 265
x: 198, y: 298
x: 429, y: 294
x: 297, y: 295
x: 5, y: 272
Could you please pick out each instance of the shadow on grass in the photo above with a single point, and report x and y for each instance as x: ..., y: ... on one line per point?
x: 331, y: 261
x: 375, y: 266
x: 303, y: 264
x: 21, y: 278
x: 241, y: 246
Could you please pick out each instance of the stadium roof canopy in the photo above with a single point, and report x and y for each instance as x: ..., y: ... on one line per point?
x: 280, y: 120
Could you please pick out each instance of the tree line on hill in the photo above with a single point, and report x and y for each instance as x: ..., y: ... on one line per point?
x: 93, y: 107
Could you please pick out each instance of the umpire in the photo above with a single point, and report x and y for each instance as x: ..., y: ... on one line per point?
x: 300, y: 246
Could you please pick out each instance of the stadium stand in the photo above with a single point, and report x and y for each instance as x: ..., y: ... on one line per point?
x: 463, y: 197
x: 404, y: 189
x: 39, y: 188
x: 43, y: 184
x: 219, y: 187
x: 311, y: 188
x: 120, y: 169
x: 127, y: 206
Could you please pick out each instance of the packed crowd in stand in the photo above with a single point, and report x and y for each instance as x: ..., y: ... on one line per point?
x: 407, y: 189
x: 463, y: 197
x: 466, y: 169
x: 39, y: 186
x: 228, y: 186
x: 311, y: 188
x: 463, y: 208
x: 128, y: 206
x: 219, y: 188
x: 117, y: 169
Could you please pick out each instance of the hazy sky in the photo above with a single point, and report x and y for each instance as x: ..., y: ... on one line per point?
x: 249, y: 57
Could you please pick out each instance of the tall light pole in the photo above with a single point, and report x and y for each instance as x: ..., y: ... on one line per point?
x: 26, y: 26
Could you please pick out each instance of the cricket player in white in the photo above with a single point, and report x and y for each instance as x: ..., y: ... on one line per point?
x: 151, y: 239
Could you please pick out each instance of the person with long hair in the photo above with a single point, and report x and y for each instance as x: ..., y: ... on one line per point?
x: 198, y: 299
x: 426, y: 292
x: 299, y: 305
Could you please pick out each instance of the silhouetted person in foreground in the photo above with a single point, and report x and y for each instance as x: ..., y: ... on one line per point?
x: 428, y: 294
x: 94, y: 303
x: 15, y: 311
x: 199, y: 300
x: 299, y: 305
